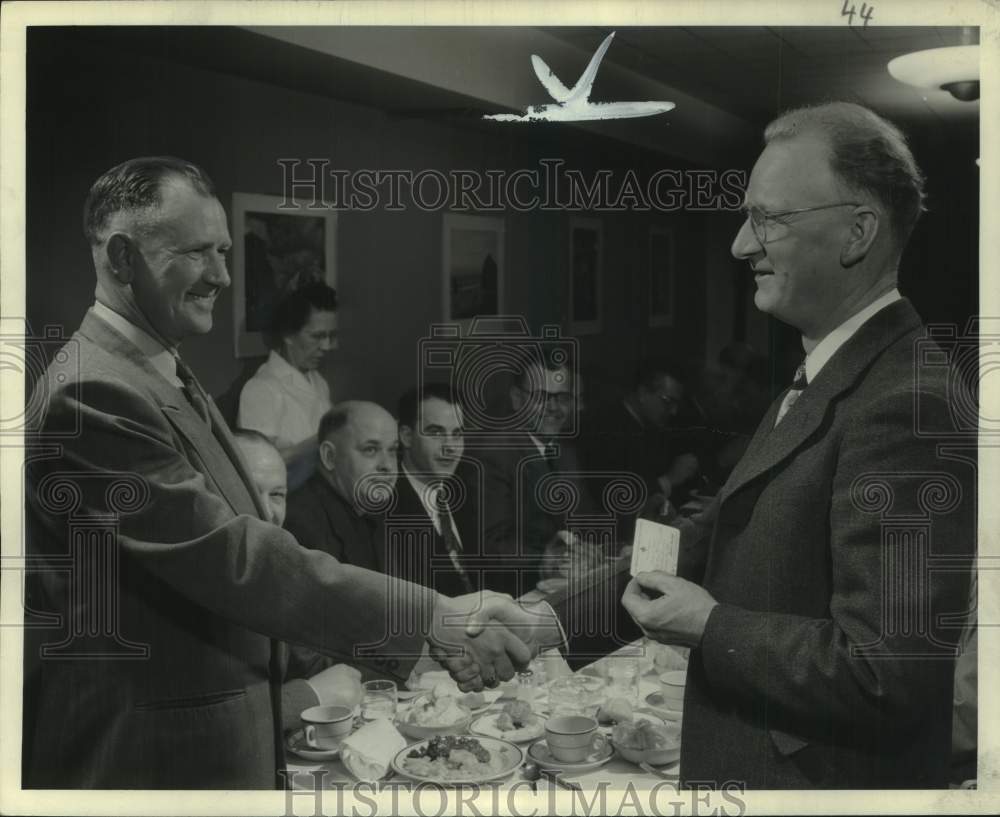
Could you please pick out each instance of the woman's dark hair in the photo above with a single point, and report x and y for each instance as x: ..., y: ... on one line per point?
x: 292, y: 312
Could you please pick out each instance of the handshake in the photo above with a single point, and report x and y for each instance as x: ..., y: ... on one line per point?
x: 484, y: 638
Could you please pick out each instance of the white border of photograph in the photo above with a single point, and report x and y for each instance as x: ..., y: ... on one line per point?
x: 455, y: 222
x: 595, y: 325
x: 251, y: 344
x: 664, y: 269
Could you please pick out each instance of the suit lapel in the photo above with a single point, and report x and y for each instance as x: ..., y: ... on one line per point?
x: 215, y: 446
x: 770, y: 445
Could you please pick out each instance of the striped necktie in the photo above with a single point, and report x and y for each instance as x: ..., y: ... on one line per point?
x: 451, y: 541
x: 193, y: 391
x: 794, y: 393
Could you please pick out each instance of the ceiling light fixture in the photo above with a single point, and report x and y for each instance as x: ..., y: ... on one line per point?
x: 954, y: 69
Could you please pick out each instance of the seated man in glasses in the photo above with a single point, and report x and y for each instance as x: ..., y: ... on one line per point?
x: 532, y: 482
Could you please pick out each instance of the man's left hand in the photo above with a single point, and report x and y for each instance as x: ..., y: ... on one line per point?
x: 669, y: 609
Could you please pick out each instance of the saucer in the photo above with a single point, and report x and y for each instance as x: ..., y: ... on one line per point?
x: 296, y: 744
x: 540, y: 754
x: 665, y: 706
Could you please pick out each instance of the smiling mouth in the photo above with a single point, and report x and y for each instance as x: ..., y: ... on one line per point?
x: 204, y: 297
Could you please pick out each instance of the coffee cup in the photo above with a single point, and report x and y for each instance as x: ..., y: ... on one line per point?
x: 573, y: 738
x: 326, y: 726
x: 672, y: 688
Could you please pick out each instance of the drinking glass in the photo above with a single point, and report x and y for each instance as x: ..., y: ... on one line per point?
x: 576, y: 695
x: 378, y: 700
x: 623, y: 678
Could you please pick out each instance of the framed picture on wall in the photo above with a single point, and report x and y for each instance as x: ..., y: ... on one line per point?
x: 274, y: 252
x: 661, y: 277
x: 586, y: 288
x: 472, y: 267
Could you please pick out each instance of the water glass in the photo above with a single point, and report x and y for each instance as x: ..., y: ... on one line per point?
x: 576, y: 695
x: 378, y: 700
x: 623, y: 678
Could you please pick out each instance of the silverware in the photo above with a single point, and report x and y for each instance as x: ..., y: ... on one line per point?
x: 559, y: 780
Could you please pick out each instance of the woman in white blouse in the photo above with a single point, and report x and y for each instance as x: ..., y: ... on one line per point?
x: 287, y: 396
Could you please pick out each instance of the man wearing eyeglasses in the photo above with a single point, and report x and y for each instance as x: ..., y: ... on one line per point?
x: 820, y: 656
x: 526, y: 473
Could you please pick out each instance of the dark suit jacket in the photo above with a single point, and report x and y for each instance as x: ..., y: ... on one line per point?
x: 820, y: 527
x: 202, y: 587
x: 409, y: 527
x: 519, y: 520
x: 319, y: 518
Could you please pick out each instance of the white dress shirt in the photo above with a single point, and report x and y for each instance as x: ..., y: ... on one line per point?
x: 428, y: 498
x: 283, y: 403
x: 161, y: 358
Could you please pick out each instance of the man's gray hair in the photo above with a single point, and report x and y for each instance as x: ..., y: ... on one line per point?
x: 135, y: 186
x: 868, y: 153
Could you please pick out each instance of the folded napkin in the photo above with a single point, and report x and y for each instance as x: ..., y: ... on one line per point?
x: 368, y: 753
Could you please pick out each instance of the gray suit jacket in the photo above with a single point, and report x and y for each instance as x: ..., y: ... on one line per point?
x: 826, y: 664
x: 180, y: 687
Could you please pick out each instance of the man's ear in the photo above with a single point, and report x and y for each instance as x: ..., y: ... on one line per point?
x: 863, y: 231
x: 328, y: 454
x: 122, y: 256
x: 405, y: 436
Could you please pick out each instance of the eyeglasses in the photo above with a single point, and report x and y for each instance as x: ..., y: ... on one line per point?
x: 759, y: 218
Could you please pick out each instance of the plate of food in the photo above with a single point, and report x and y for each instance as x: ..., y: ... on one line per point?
x: 515, y: 722
x: 454, y: 759
x: 619, y: 710
x: 439, y: 712
x: 648, y: 742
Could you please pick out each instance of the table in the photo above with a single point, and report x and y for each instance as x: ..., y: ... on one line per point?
x: 616, y: 774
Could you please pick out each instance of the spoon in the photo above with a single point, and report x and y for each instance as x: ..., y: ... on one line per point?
x: 646, y: 767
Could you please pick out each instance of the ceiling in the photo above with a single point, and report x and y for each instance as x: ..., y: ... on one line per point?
x: 757, y: 72
x: 726, y: 82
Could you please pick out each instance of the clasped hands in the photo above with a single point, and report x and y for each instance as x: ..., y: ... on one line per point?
x: 484, y: 638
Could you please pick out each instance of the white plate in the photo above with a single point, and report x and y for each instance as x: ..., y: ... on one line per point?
x: 487, y: 725
x: 514, y: 757
x: 296, y: 744
x: 641, y: 715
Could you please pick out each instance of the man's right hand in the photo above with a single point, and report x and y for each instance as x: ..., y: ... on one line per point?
x: 480, y: 659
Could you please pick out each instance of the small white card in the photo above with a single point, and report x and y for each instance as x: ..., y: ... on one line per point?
x: 655, y: 547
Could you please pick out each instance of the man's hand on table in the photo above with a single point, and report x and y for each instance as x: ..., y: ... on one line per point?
x: 480, y: 658
x: 669, y: 609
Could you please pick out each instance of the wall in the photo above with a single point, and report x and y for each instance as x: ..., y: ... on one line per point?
x: 87, y: 112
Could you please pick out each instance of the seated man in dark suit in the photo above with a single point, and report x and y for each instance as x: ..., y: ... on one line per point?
x: 424, y: 528
x: 336, y: 509
x: 310, y: 678
x: 630, y: 436
x: 526, y: 474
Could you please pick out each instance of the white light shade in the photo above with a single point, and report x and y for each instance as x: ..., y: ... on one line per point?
x: 937, y: 66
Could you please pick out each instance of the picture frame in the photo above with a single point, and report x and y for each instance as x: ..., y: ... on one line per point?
x: 661, y: 277
x: 275, y: 250
x: 472, y: 267
x: 586, y: 279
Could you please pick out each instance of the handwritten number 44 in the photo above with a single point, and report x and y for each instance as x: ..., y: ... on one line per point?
x: 865, y: 13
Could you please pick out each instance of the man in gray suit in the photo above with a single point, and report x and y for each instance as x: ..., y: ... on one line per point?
x: 821, y: 658
x: 180, y: 586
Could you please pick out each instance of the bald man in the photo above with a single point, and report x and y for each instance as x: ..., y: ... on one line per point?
x: 332, y: 511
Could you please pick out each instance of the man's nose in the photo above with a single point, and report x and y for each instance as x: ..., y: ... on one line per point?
x: 745, y: 244
x: 218, y: 275
x: 386, y: 463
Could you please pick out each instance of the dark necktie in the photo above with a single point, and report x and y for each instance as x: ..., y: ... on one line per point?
x: 193, y: 391
x: 798, y: 386
x: 450, y: 539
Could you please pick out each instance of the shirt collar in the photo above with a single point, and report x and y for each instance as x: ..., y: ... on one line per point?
x: 283, y: 370
x: 426, y: 491
x: 161, y: 358
x: 826, y: 348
